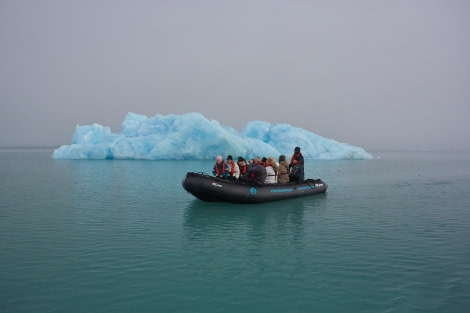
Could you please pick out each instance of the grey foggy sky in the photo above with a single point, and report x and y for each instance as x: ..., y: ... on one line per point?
x: 375, y: 74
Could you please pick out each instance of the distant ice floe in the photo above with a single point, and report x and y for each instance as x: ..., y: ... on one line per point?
x: 192, y: 136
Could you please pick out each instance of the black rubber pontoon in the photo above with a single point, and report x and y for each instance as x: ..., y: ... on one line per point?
x: 213, y: 189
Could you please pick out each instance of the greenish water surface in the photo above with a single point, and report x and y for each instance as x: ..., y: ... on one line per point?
x: 390, y: 235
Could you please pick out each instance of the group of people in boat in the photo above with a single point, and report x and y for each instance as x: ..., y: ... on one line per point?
x: 262, y: 171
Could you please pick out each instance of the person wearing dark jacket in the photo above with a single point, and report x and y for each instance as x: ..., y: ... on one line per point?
x: 256, y: 172
x: 242, y: 166
x: 296, y: 166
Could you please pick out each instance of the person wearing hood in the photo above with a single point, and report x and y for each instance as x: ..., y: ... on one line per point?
x: 296, y: 166
x: 242, y: 166
x: 220, y: 168
x: 283, y: 170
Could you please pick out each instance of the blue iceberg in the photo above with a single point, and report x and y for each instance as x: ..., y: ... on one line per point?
x: 192, y: 136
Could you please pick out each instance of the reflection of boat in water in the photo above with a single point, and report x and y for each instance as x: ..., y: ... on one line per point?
x: 213, y: 189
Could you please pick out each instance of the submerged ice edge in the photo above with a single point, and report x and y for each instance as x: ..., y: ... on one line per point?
x: 191, y: 136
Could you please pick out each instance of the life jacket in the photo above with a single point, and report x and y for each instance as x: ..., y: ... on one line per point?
x: 217, y: 170
x: 243, y: 169
x: 253, y: 174
x: 295, y: 156
x: 232, y: 168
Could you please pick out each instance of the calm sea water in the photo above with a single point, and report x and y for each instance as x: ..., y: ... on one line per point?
x: 391, y: 235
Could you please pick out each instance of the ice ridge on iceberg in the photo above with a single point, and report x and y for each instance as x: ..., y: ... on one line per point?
x: 192, y: 136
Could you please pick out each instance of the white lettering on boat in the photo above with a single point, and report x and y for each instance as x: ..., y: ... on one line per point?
x: 281, y: 190
x: 216, y: 185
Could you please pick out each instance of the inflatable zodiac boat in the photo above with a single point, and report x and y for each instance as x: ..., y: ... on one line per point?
x: 213, y: 189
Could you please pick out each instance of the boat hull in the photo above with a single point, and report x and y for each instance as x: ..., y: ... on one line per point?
x: 212, y: 189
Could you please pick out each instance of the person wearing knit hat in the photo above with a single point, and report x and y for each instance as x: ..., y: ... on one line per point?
x: 220, y: 168
x: 233, y: 169
x: 296, y: 166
